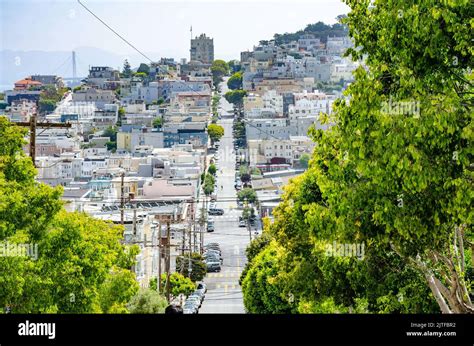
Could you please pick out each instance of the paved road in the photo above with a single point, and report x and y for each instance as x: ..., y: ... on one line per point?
x: 224, y: 294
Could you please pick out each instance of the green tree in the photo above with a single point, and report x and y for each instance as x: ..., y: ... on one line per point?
x: 198, y: 267
x: 179, y: 284
x: 77, y: 256
x: 247, y: 194
x: 121, y: 116
x: 141, y: 75
x: 215, y: 132
x: 143, y: 69
x: 248, y: 212
x: 235, y: 96
x: 393, y: 175
x: 147, y: 301
x: 235, y: 81
x: 304, y: 160
x: 158, y: 122
x: 117, y: 290
x: 219, y: 69
x: 212, y: 169
x: 209, y: 182
x: 234, y: 66
x: 126, y: 71
x: 244, y: 173
x: 259, y: 295
x: 47, y: 105
x: 111, y: 132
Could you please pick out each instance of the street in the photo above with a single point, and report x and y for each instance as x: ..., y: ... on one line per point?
x: 224, y: 294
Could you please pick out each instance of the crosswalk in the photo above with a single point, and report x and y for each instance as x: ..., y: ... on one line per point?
x: 231, y: 274
x: 233, y: 214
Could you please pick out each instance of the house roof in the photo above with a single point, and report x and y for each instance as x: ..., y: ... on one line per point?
x: 27, y: 81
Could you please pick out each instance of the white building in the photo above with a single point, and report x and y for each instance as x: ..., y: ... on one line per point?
x: 267, y: 128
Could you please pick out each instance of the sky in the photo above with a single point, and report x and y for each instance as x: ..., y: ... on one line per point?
x: 158, y: 27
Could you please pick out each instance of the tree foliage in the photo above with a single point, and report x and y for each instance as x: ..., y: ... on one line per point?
x: 393, y: 174
x: 212, y: 169
x: 79, y: 260
x: 147, y: 301
x: 247, y: 194
x: 319, y: 30
x: 209, y: 182
x: 143, y: 68
x: 219, y: 69
x: 126, y: 71
x: 158, y: 122
x: 179, y: 284
x: 304, y: 160
x: 198, y: 267
x: 215, y: 132
x: 235, y: 81
x: 235, y: 96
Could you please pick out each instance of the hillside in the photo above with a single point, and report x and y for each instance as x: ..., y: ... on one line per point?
x: 319, y: 30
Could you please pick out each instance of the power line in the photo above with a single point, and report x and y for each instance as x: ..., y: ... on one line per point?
x: 135, y: 48
x: 115, y: 32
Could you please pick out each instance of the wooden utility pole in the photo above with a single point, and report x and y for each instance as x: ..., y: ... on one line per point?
x: 190, y: 266
x: 158, y: 282
x: 33, y: 125
x: 122, y: 198
x: 168, y: 260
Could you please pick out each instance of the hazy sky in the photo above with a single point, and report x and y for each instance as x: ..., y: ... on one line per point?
x: 161, y: 27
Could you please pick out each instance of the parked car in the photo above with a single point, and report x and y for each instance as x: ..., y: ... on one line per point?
x: 194, y: 298
x: 216, y: 211
x: 198, y: 295
x: 210, y: 226
x: 201, y: 286
x: 242, y: 223
x: 213, y: 250
x: 213, y: 258
x: 213, y: 266
x: 190, y: 309
x: 212, y: 253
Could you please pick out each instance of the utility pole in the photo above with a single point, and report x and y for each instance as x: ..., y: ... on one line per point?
x: 158, y: 282
x: 33, y: 124
x: 183, y: 243
x: 248, y: 222
x: 135, y: 223
x: 168, y: 260
x: 190, y: 266
x: 122, y: 198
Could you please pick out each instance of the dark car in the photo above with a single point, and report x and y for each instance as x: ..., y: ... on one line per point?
x: 216, y: 211
x: 214, y: 247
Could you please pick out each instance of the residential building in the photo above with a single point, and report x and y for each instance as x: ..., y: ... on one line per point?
x: 202, y: 49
